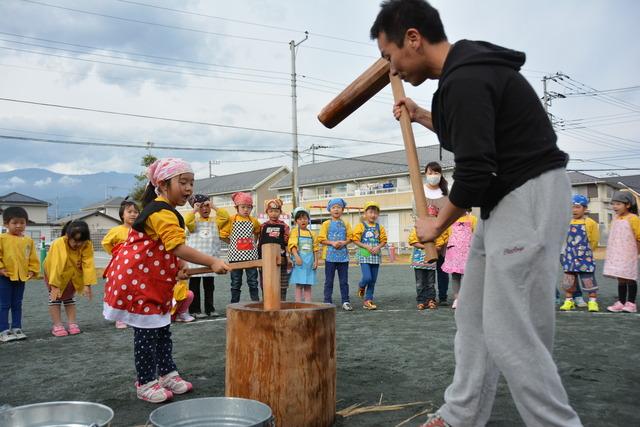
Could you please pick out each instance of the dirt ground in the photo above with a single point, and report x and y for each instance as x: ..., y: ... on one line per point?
x: 397, y: 352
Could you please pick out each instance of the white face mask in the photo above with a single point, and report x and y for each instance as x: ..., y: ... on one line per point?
x: 433, y: 179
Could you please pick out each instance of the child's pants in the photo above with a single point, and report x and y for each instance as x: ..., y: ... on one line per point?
x: 252, y: 282
x: 505, y: 319
x: 443, y: 279
x: 369, y: 278
x: 183, y: 306
x: 11, y: 293
x: 425, y: 285
x: 152, y: 351
x: 330, y: 269
x: 572, y: 281
x: 209, y: 287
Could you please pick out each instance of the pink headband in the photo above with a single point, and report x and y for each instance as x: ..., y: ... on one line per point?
x: 163, y: 169
x: 242, y: 199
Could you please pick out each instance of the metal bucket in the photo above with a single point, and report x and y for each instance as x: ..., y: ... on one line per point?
x: 213, y: 412
x: 57, y: 414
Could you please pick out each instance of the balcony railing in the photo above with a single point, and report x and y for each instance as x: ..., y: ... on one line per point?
x: 286, y: 198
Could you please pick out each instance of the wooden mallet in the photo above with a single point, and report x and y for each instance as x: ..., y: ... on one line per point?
x: 353, y: 97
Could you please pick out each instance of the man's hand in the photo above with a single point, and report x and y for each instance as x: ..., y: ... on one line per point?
x: 220, y: 267
x: 426, y: 229
x: 416, y: 114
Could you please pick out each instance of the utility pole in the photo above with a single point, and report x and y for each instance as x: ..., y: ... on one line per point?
x: 548, y: 96
x: 211, y: 163
x: 313, y: 149
x: 294, y: 122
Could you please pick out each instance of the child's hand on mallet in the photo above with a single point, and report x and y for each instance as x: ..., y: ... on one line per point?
x: 220, y: 266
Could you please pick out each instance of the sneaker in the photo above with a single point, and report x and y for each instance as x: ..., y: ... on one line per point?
x: 199, y: 315
x: 175, y: 384
x: 369, y: 305
x: 432, y: 305
x: 568, y: 305
x: 443, y: 303
x: 74, y: 329
x: 593, y: 306
x: 630, y: 307
x: 435, y: 420
x: 59, y: 331
x: 347, y: 306
x: 6, y: 336
x: 360, y: 292
x: 455, y: 304
x: 153, y: 392
x: 421, y: 306
x: 120, y: 324
x: 216, y: 314
x: 616, y: 308
x: 580, y: 302
x: 19, y: 334
x: 185, y: 317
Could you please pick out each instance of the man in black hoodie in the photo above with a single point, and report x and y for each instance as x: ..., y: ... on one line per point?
x: 508, y: 164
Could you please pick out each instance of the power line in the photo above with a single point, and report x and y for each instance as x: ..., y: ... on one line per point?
x: 193, y: 122
x: 274, y: 27
x: 165, y: 58
x: 145, y: 146
x: 139, y: 21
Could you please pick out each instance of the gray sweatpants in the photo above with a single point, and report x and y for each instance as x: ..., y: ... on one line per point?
x: 506, y: 313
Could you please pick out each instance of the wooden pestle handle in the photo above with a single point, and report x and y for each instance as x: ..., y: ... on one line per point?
x: 431, y: 254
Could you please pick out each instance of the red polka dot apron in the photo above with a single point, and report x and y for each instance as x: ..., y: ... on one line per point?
x: 140, y: 280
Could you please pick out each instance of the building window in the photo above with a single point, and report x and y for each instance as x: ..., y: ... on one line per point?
x: 609, y: 192
x: 340, y: 189
x: 595, y: 217
x: 592, y: 191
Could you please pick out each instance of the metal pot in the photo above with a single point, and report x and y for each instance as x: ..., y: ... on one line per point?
x: 57, y: 414
x: 213, y: 412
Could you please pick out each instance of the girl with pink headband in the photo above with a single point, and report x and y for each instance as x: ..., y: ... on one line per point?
x: 140, y: 280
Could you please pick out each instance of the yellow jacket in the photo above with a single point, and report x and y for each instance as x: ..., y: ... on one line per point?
x: 593, y: 230
x: 164, y: 225
x: 225, y: 231
x: 63, y: 265
x: 190, y: 218
x: 356, y: 234
x: 115, y: 236
x: 293, y: 239
x: 441, y: 240
x: 18, y: 257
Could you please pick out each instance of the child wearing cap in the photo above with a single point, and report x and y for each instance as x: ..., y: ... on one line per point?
x: 621, y: 261
x: 274, y: 230
x: 577, y: 258
x: 203, y: 234
x: 335, y: 234
x: 370, y: 237
x: 241, y: 232
x: 305, y: 250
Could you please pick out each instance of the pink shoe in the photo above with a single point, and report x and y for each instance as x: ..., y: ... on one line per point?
x: 175, y: 384
x: 59, y: 331
x: 616, y: 308
x: 630, y: 307
x: 153, y: 392
x: 455, y: 304
x: 74, y: 329
x: 120, y: 325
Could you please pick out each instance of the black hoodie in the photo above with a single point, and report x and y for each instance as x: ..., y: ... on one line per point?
x: 488, y: 115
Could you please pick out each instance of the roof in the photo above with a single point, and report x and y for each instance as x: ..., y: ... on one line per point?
x: 113, y: 202
x: 629, y: 181
x: 21, y: 199
x: 582, y: 178
x: 369, y: 166
x: 83, y: 215
x: 243, y: 181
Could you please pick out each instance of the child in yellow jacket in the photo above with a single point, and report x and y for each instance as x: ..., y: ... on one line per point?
x: 425, y: 271
x: 69, y: 268
x: 18, y: 263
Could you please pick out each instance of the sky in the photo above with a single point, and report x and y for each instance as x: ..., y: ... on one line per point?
x: 213, y: 67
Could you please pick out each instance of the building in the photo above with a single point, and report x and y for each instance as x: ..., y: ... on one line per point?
x: 110, y: 207
x: 258, y: 183
x: 99, y: 224
x: 38, y: 224
x: 383, y: 177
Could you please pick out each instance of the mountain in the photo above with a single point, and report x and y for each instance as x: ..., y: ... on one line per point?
x: 66, y: 193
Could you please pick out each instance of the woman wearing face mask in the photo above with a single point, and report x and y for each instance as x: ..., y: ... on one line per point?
x: 436, y: 189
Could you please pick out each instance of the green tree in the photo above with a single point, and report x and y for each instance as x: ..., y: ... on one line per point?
x: 141, y: 179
